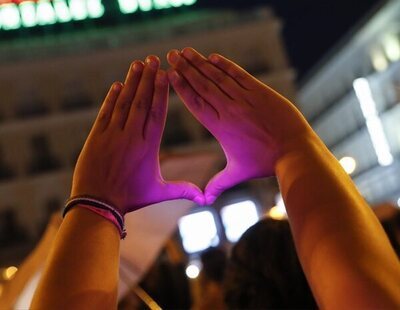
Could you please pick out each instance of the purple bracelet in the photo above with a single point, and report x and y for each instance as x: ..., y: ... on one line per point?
x: 116, y: 217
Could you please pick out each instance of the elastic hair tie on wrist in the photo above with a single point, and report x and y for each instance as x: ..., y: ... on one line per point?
x: 101, y: 208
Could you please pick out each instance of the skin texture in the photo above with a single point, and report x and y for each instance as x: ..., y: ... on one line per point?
x: 344, y: 252
x: 343, y: 249
x: 119, y: 164
x: 235, y: 107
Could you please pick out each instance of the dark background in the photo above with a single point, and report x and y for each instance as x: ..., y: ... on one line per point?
x: 311, y: 27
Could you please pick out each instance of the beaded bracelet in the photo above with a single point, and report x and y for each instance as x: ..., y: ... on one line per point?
x: 101, y: 208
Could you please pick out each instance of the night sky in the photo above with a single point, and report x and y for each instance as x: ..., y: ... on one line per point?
x: 311, y: 27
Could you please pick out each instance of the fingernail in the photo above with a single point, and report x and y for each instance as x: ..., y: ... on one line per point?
x: 135, y: 66
x: 213, y: 58
x: 117, y: 86
x: 151, y: 62
x: 187, y: 52
x: 173, y: 57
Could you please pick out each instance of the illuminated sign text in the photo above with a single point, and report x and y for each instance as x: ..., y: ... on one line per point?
x: 32, y: 13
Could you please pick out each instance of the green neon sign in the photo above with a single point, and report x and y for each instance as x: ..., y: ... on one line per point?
x: 32, y: 13
x: 132, y: 6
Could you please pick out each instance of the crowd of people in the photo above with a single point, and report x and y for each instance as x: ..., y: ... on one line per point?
x: 332, y: 251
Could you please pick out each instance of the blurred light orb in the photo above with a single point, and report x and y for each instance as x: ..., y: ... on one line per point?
x: 349, y: 164
x: 379, y: 61
x: 391, y: 44
x: 398, y: 202
x: 192, y: 271
x: 277, y: 213
x: 9, y: 272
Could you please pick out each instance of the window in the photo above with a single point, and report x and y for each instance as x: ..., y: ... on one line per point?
x: 11, y: 232
x: 76, y: 102
x: 42, y: 158
x: 198, y: 231
x: 237, y: 218
x: 31, y: 108
x: 175, y: 132
x: 6, y: 172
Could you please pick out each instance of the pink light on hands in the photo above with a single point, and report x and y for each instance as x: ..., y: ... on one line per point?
x: 119, y: 162
x: 254, y: 124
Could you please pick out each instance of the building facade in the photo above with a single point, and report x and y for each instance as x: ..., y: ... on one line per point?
x: 352, y: 101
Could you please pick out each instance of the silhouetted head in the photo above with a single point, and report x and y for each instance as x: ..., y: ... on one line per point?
x: 264, y: 271
x: 214, y: 263
x: 389, y: 216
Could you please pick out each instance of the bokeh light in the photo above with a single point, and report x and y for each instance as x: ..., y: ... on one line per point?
x: 192, y: 271
x: 9, y: 272
x: 349, y: 164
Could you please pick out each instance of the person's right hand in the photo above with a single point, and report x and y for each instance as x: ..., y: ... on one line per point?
x: 254, y: 124
x: 119, y: 163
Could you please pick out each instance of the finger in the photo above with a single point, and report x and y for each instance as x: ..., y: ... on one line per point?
x: 201, y: 109
x: 218, y: 184
x: 185, y: 190
x: 122, y: 107
x: 158, y: 112
x: 143, y: 98
x: 225, y: 82
x: 201, y: 84
x: 107, y: 108
x: 241, y: 76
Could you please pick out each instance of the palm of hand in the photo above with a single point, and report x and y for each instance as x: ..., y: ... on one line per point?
x: 119, y: 162
x: 252, y: 122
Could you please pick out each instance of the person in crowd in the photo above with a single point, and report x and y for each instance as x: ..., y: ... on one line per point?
x: 344, y: 252
x: 264, y: 271
x: 208, y: 288
x: 166, y: 281
x: 389, y: 216
x: 13, y: 288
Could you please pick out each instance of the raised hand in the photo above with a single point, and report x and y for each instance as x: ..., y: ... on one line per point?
x: 119, y: 163
x: 254, y: 124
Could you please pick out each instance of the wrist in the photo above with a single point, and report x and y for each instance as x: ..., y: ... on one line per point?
x: 101, y: 208
x: 299, y: 147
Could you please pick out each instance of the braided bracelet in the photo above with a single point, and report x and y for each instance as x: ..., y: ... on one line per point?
x: 101, y: 208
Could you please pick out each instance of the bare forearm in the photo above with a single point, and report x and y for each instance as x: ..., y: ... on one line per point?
x: 342, y: 247
x: 82, y: 269
x: 30, y: 265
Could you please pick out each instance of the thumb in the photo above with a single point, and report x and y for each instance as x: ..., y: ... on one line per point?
x: 222, y: 181
x: 185, y: 190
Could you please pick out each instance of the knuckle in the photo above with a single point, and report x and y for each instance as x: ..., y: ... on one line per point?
x: 182, y: 65
x: 236, y: 75
x: 123, y: 105
x: 195, y: 102
x: 179, y: 83
x: 103, y: 115
x: 159, y: 83
x: 199, y: 101
x: 220, y: 78
x: 156, y: 114
x: 184, y: 193
x: 204, y: 88
x: 198, y: 61
x: 141, y: 104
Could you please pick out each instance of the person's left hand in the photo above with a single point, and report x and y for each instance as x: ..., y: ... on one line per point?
x: 119, y: 163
